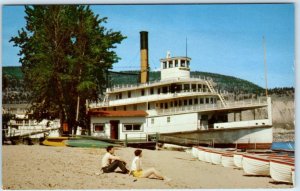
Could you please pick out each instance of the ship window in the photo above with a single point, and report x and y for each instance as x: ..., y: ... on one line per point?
x: 179, y: 102
x: 170, y: 64
x: 115, y: 108
x: 158, y: 91
x: 165, y: 65
x: 176, y: 63
x: 175, y: 103
x: 171, y: 104
x: 142, y: 92
x: 151, y: 91
x: 188, y: 63
x: 182, y: 63
x: 185, y: 102
x: 166, y: 105
x: 120, y: 96
x: 196, y: 100
x: 132, y: 127
x: 190, y: 101
x: 194, y: 87
x: 207, y: 100
x: 98, y: 127
x: 186, y: 86
x: 124, y: 108
x: 201, y: 100
x: 161, y: 105
x: 168, y: 119
x: 152, y: 120
x: 134, y: 107
x: 211, y: 100
x: 129, y: 94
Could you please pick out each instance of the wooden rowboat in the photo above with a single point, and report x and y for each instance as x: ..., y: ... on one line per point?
x: 281, y: 169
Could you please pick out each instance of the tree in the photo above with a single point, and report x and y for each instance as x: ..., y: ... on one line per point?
x: 65, y: 52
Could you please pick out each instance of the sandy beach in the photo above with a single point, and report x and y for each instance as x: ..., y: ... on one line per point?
x: 42, y: 167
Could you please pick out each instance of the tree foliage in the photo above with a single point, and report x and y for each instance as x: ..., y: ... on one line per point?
x: 65, y: 51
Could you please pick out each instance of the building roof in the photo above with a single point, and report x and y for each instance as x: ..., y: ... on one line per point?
x: 137, y: 113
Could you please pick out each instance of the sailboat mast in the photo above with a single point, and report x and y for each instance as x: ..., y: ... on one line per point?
x: 265, y: 63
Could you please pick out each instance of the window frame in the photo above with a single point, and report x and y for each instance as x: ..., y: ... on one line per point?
x: 132, y: 127
x: 94, y: 126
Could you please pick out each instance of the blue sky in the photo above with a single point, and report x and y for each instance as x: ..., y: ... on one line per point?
x: 224, y: 39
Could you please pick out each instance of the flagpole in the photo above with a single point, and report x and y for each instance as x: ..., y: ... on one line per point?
x: 265, y: 63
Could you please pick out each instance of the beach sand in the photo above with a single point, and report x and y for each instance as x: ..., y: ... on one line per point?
x: 42, y: 167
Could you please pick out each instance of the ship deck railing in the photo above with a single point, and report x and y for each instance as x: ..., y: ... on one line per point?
x: 155, y: 97
x: 216, y: 106
x: 156, y: 82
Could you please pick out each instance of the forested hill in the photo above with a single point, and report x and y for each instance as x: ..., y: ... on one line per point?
x: 228, y: 83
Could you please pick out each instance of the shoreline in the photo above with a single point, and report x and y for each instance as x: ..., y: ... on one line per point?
x: 42, y: 167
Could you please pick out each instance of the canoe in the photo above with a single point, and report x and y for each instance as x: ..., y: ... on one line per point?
x: 227, y: 160
x: 87, y: 143
x: 281, y: 169
x: 55, y: 141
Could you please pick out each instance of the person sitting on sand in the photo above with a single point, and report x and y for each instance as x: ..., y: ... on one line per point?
x: 110, y: 162
x: 137, y: 171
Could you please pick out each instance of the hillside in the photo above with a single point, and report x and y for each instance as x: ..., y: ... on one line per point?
x: 13, y: 79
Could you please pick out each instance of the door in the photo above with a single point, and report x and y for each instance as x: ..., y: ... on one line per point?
x: 114, y: 129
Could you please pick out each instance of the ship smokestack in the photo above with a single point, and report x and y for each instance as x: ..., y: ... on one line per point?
x: 144, y: 77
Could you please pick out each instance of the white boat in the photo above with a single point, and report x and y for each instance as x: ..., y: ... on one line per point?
x: 256, y: 164
x: 181, y: 108
x: 216, y: 157
x: 208, y: 155
x: 227, y: 160
x: 238, y: 159
x: 201, y: 154
x: 281, y: 169
x: 293, y: 176
x: 195, y: 152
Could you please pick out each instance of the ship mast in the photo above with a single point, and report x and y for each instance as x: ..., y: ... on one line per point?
x: 265, y: 63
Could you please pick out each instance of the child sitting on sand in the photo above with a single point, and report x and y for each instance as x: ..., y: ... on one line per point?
x: 137, y: 171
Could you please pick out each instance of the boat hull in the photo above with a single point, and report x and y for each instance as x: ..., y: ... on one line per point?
x: 55, y: 141
x: 281, y: 171
x: 256, y: 166
x: 241, y: 138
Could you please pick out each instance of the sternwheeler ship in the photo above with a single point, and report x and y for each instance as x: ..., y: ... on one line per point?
x: 180, y: 109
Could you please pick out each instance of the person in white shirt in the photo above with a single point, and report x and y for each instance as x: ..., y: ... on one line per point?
x: 137, y: 171
x: 110, y: 162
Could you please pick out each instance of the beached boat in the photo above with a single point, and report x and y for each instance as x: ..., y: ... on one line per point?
x: 227, y: 160
x: 87, y: 143
x: 216, y: 157
x: 180, y: 109
x: 201, y: 154
x: 256, y: 164
x: 195, y: 152
x: 207, y: 156
x: 288, y: 146
x: 281, y: 169
x: 238, y: 159
x: 293, y: 175
x: 55, y: 141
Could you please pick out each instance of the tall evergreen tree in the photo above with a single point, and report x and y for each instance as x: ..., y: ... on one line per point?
x: 65, y: 51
